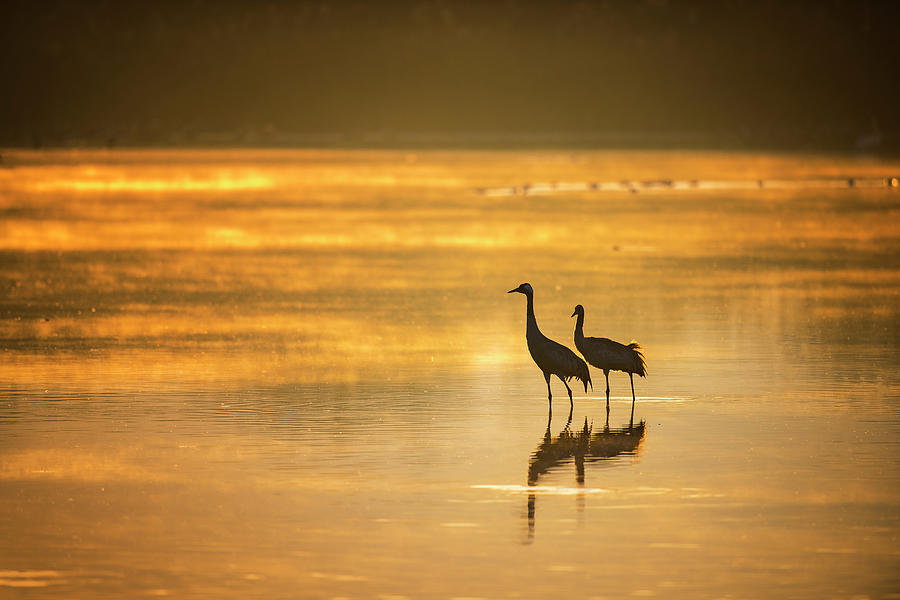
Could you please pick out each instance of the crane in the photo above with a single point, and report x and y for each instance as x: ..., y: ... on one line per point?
x: 609, y: 356
x: 552, y: 358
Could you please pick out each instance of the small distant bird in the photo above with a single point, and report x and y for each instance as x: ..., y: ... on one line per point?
x: 610, y: 356
x: 552, y: 358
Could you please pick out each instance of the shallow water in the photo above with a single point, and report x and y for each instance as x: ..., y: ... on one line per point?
x: 299, y: 374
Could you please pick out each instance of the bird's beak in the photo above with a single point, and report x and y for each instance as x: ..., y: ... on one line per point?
x: 511, y: 291
x: 573, y: 314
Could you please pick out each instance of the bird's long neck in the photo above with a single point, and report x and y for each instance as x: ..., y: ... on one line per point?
x: 579, y: 327
x: 531, y: 326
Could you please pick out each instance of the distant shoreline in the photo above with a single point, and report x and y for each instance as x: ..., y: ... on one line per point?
x: 887, y: 143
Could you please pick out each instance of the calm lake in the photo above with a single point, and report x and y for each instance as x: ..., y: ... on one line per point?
x: 298, y: 374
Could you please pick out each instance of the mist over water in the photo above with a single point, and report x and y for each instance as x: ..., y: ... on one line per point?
x: 298, y: 373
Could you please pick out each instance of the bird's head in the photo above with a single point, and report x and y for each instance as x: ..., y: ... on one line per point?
x: 579, y: 310
x: 525, y: 288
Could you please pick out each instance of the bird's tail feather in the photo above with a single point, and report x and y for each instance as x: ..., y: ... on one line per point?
x: 640, y: 365
x: 583, y: 375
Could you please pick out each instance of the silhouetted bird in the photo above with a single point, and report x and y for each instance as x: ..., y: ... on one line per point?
x: 610, y: 356
x: 551, y: 357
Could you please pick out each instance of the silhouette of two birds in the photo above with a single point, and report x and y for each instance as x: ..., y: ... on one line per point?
x: 552, y: 358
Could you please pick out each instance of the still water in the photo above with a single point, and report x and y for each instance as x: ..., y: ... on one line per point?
x: 298, y: 374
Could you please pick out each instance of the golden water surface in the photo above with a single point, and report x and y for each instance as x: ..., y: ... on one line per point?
x: 298, y: 374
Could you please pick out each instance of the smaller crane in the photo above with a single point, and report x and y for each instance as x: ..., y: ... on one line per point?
x: 609, y: 356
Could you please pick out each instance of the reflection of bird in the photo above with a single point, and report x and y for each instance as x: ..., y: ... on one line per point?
x: 551, y: 452
x: 584, y: 446
x: 551, y: 357
x: 610, y: 356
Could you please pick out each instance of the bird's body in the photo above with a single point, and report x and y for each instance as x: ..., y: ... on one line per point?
x: 609, y: 356
x: 552, y: 358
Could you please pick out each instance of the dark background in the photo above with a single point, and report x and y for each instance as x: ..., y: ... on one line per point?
x: 762, y: 73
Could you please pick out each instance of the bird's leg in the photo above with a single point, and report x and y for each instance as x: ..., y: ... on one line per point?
x: 606, y: 373
x: 549, y: 393
x: 568, y: 389
x: 631, y: 377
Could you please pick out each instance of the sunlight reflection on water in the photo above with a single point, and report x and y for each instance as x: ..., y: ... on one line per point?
x: 319, y: 383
